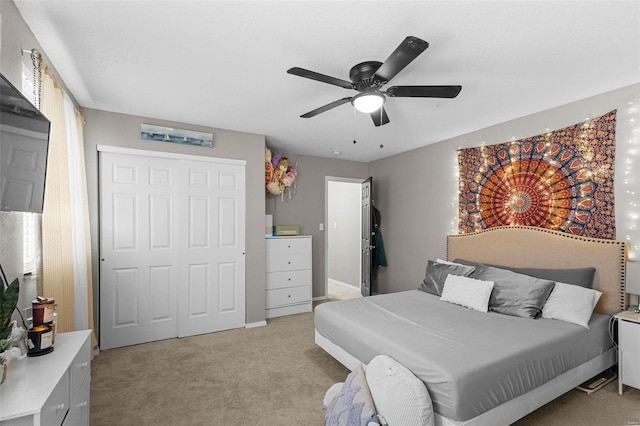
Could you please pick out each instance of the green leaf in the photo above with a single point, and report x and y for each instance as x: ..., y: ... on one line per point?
x: 4, y: 344
x: 8, y: 303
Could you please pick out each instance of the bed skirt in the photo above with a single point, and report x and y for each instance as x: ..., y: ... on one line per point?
x: 510, y: 411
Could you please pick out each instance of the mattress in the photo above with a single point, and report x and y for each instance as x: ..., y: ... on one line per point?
x: 470, y: 361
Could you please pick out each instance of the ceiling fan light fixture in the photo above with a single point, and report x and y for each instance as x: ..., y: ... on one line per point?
x: 368, y: 102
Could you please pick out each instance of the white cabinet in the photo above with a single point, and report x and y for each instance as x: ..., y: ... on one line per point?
x: 288, y: 281
x: 52, y: 389
x: 628, y: 350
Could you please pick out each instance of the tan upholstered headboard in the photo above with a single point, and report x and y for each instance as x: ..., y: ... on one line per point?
x: 522, y: 246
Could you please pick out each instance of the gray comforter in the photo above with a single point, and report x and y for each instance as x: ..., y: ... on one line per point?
x: 470, y: 361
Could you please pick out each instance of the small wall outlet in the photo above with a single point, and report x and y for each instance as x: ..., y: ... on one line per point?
x: 321, y: 227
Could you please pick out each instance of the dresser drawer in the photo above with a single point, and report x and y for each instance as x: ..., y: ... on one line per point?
x: 287, y: 296
x: 57, y: 405
x: 79, y: 408
x: 288, y: 279
x: 277, y: 246
x: 80, y: 368
x: 288, y: 262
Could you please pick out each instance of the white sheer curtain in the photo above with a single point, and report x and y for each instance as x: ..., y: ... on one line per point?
x: 76, y: 173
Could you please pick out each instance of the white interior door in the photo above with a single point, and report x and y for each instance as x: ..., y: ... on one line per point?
x: 365, y: 286
x: 138, y: 249
x: 212, y: 267
x: 172, y: 248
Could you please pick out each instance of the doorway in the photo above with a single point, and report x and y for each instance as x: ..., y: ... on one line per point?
x: 343, y: 238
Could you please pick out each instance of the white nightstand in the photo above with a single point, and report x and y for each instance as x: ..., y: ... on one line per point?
x: 628, y: 350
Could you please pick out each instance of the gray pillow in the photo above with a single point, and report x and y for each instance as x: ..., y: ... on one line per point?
x: 514, y: 294
x: 578, y: 276
x: 582, y: 277
x: 436, y: 273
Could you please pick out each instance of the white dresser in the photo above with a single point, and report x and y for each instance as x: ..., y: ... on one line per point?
x: 288, y: 281
x: 52, y: 389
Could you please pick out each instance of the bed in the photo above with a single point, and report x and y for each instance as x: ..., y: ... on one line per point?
x: 486, y: 368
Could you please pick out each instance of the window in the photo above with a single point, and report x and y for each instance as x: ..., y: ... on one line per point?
x: 29, y: 243
x: 28, y: 219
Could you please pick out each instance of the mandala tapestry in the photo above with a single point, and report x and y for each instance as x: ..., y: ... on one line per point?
x: 561, y: 180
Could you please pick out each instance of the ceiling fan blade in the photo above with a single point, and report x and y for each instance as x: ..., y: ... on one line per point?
x: 406, y: 52
x: 380, y: 117
x: 327, y: 107
x: 301, y: 72
x: 423, y: 91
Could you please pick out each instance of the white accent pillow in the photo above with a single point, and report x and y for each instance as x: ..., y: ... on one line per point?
x: 467, y: 292
x: 399, y: 396
x: 571, y: 303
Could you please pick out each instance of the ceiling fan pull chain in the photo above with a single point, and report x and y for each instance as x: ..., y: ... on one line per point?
x: 354, y: 125
x: 381, y: 130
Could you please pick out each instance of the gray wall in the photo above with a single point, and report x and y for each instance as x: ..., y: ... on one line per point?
x: 307, y: 206
x: 106, y: 128
x: 416, y: 191
x: 16, y: 36
x: 343, y: 232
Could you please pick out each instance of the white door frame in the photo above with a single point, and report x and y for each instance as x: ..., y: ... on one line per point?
x: 328, y: 179
x: 164, y: 154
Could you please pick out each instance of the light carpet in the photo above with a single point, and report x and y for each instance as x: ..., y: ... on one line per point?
x: 341, y: 291
x: 273, y: 375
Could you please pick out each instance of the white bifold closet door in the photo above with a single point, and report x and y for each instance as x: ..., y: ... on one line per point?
x: 171, y: 247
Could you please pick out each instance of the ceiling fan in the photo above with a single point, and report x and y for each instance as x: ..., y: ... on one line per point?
x: 369, y: 77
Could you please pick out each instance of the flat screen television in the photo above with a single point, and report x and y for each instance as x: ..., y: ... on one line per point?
x: 24, y: 145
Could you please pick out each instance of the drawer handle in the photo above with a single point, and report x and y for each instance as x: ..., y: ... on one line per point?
x: 288, y: 279
x: 82, y: 405
x: 59, y: 407
x: 289, y: 263
x: 84, y: 365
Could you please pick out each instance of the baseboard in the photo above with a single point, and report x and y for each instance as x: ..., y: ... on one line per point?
x: 256, y: 324
x: 342, y: 283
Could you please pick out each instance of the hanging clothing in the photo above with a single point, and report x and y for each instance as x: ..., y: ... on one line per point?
x: 378, y: 258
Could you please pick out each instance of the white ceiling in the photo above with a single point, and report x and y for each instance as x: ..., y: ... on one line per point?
x: 223, y: 64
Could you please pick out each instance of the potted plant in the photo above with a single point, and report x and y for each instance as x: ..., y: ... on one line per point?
x: 4, y: 345
x: 2, y: 368
x: 8, y: 303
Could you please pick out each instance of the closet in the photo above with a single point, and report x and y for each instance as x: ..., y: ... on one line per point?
x: 172, y: 236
